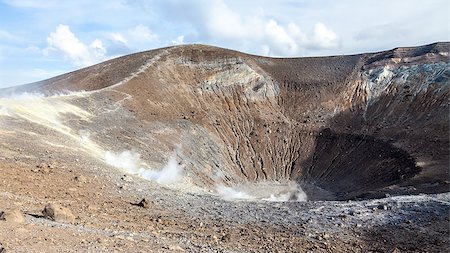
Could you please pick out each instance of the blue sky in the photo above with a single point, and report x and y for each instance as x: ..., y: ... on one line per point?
x: 43, y: 38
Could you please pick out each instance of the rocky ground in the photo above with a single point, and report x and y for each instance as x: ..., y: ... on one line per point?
x: 104, y: 214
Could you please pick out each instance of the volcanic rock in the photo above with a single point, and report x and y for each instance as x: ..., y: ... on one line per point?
x: 58, y: 213
x: 144, y: 203
x: 13, y: 216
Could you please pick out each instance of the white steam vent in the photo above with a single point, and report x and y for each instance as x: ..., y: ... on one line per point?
x: 266, y: 191
x: 131, y: 162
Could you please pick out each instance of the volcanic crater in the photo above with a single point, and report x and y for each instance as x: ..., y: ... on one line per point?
x: 207, y: 120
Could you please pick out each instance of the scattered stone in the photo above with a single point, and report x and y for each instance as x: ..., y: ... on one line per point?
x: 214, y: 238
x: 80, y: 179
x: 382, y: 207
x: 44, y: 168
x: 175, y: 248
x: 326, y: 236
x: 120, y: 237
x: 342, y: 216
x: 226, y: 238
x: 58, y: 213
x: 144, y: 203
x: 127, y: 178
x: 92, y: 207
x: 394, y: 250
x: 13, y: 216
x: 101, y: 241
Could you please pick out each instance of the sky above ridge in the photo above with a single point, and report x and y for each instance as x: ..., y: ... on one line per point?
x: 43, y: 38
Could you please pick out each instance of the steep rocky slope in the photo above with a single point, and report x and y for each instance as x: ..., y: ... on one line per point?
x: 342, y: 127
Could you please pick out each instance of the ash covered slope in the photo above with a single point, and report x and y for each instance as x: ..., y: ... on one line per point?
x: 343, y: 127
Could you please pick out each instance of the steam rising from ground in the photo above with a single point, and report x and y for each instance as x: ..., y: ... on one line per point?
x: 267, y: 191
x: 3, y: 111
x: 130, y: 161
x: 170, y: 173
x: 229, y: 193
x: 127, y: 160
x: 49, y: 112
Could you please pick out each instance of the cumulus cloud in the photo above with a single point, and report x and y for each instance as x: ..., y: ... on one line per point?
x: 324, y: 37
x: 289, y: 40
x: 63, y: 41
x: 275, y: 28
x: 280, y: 41
x: 119, y: 38
x: 179, y: 40
x: 143, y: 33
x: 215, y: 20
x: 224, y: 22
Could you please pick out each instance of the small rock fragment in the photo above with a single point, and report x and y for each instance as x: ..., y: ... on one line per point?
x: 326, y: 236
x: 214, y: 238
x: 144, y: 203
x: 394, y: 250
x: 226, y: 238
x: 176, y: 248
x: 92, y: 208
x: 58, y: 213
x: 13, y: 216
x: 382, y: 207
x: 44, y: 168
x: 80, y: 179
x: 127, y: 178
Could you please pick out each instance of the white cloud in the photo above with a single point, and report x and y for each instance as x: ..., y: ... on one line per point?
x: 119, y: 38
x: 280, y: 41
x: 179, y: 40
x: 65, y: 42
x: 223, y: 22
x: 215, y: 20
x: 143, y: 33
x: 97, y: 50
x: 324, y: 37
x: 275, y: 28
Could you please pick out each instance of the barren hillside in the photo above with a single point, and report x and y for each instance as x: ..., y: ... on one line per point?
x: 212, y: 137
